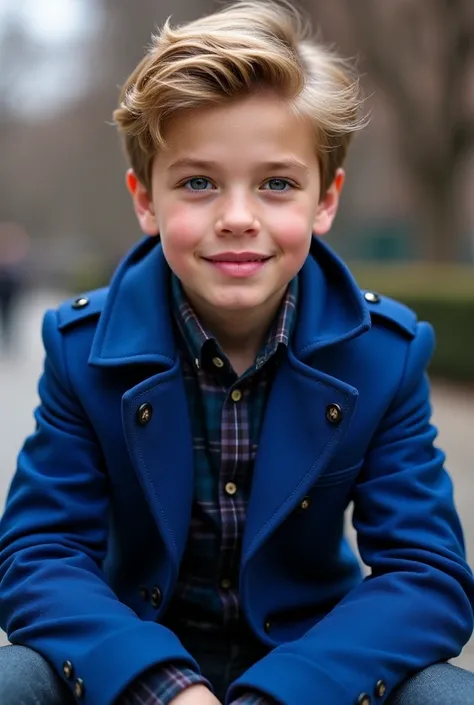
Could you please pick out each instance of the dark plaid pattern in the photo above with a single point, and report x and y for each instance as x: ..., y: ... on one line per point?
x: 226, y: 413
x: 160, y: 685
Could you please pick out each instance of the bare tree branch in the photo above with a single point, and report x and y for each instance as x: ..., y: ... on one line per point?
x: 382, y: 50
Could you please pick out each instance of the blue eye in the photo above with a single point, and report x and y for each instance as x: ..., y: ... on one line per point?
x: 278, y: 185
x: 197, y: 183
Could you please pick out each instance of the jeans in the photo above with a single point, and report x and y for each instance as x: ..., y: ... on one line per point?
x: 27, y: 679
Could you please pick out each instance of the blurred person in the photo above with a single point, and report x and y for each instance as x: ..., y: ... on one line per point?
x: 174, y: 530
x: 14, y: 249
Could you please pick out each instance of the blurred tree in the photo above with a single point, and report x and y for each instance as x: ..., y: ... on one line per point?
x: 420, y: 53
x: 93, y: 205
x: 17, y: 53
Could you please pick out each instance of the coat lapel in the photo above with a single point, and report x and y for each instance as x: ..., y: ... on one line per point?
x: 297, y: 443
x: 135, y: 329
x: 161, y: 451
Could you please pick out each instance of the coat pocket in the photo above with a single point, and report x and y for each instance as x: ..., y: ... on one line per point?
x: 335, y: 475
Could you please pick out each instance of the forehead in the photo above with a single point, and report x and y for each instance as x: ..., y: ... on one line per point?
x: 261, y: 127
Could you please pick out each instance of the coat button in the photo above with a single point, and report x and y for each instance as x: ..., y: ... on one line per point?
x: 371, y: 297
x: 79, y: 688
x: 380, y: 689
x: 68, y: 669
x: 144, y: 414
x: 144, y: 593
x: 363, y: 699
x: 267, y: 627
x: 334, y: 414
x: 81, y: 302
x: 156, y: 597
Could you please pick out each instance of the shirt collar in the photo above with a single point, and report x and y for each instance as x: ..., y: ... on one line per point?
x: 196, y: 336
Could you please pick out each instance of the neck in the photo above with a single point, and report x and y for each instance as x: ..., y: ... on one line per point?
x: 240, y: 333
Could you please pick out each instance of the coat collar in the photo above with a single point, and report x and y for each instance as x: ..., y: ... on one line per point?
x: 136, y: 323
x: 332, y: 307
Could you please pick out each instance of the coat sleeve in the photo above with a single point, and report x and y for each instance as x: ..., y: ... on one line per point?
x: 53, y: 538
x: 415, y: 608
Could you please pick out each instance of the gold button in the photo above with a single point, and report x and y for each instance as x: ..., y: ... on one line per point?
x: 305, y: 503
x: 267, y: 626
x: 380, y: 689
x: 236, y: 395
x: 226, y: 584
x: 334, y: 414
x: 363, y: 699
x: 144, y: 414
x: 79, y: 688
x: 217, y: 362
x: 68, y: 669
x: 230, y: 488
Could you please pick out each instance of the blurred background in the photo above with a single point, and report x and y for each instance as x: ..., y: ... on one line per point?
x: 407, y: 218
x: 406, y: 223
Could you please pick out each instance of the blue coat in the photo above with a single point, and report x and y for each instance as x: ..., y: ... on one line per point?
x: 100, y: 504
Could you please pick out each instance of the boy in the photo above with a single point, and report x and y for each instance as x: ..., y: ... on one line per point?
x: 175, y: 525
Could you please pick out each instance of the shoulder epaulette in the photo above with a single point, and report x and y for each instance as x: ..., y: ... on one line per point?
x: 82, y: 307
x: 391, y: 312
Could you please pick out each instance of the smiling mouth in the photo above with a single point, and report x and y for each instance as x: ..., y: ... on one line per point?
x: 237, y: 258
x: 238, y: 265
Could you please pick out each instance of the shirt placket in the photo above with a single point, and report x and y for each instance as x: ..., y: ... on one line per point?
x: 235, y: 464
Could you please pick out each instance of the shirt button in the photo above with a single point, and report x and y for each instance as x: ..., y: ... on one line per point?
x: 217, y: 362
x: 230, y: 488
x: 236, y: 395
x: 380, y: 689
x: 226, y: 584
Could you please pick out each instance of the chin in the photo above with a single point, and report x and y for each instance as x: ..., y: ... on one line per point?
x: 240, y: 303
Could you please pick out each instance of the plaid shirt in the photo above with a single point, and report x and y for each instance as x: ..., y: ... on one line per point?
x: 226, y: 415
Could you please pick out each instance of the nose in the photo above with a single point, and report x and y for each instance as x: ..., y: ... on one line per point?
x: 237, y: 216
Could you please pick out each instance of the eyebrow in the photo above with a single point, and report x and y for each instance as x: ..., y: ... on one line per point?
x: 272, y: 165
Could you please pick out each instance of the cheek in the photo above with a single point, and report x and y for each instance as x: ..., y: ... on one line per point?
x: 292, y: 230
x: 180, y: 231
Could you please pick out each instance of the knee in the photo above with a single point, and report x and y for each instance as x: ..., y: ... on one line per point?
x: 26, y: 678
x: 440, y: 684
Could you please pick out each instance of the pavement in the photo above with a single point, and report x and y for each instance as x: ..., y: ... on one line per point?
x: 453, y: 414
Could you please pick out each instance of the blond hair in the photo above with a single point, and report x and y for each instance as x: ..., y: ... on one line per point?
x: 228, y: 55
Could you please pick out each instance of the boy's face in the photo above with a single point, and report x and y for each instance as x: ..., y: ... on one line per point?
x: 235, y: 198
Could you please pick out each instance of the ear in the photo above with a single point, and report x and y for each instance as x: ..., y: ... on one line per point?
x: 142, y: 203
x: 328, y: 205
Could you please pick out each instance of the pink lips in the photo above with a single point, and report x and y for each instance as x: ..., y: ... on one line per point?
x: 238, y: 264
